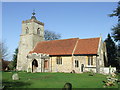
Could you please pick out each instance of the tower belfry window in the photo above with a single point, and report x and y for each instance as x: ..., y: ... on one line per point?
x: 27, y: 30
x: 38, y: 31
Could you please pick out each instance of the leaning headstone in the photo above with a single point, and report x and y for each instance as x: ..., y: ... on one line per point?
x: 15, y: 76
x: 67, y: 86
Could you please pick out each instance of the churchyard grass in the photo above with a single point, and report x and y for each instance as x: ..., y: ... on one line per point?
x: 53, y: 80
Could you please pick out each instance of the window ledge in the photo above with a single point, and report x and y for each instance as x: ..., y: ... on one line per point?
x: 91, y: 66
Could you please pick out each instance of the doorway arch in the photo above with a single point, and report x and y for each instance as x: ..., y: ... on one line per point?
x: 34, y: 65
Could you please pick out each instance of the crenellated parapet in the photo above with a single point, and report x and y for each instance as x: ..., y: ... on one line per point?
x: 33, y: 20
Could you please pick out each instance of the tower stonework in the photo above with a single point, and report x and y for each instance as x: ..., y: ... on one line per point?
x: 32, y: 33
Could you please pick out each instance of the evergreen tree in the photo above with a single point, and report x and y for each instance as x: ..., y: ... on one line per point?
x: 15, y: 58
x: 13, y: 63
x: 116, y: 33
x: 116, y: 29
x: 111, y: 51
x: 118, y: 57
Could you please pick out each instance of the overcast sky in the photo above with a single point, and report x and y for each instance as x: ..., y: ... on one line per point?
x: 71, y: 20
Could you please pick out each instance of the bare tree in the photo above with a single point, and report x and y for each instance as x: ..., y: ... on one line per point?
x: 50, y: 35
x: 3, y: 51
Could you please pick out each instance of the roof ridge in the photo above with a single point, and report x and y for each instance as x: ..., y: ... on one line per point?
x: 90, y: 38
x: 58, y: 40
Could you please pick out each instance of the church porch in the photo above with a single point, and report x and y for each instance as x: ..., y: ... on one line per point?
x: 38, y: 62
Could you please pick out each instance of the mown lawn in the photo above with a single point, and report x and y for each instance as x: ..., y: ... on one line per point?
x: 53, y: 80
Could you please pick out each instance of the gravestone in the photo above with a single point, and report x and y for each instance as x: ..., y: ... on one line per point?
x: 67, y: 86
x: 15, y: 76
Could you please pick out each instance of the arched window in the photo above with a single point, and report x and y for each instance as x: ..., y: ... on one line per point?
x: 38, y: 31
x: 27, y: 30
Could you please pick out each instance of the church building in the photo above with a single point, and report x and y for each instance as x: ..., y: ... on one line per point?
x: 65, y: 55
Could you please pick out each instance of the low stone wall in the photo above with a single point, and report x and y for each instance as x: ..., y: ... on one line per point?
x: 107, y: 70
x: 88, y: 69
x: 103, y: 70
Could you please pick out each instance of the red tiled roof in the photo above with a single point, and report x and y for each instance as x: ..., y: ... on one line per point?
x: 56, y: 47
x: 87, y: 46
x: 67, y: 46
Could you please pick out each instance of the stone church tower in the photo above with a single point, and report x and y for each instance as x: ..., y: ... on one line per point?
x: 32, y: 33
